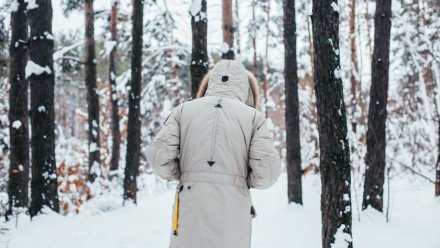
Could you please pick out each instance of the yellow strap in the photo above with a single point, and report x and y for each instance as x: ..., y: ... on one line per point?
x: 176, y: 214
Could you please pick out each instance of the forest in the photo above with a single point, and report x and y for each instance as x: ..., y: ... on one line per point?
x: 349, y: 90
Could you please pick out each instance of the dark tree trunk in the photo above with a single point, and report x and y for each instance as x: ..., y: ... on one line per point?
x: 44, y: 175
x: 134, y: 121
x: 199, y: 57
x: 92, y: 94
x: 332, y: 125
x: 228, y: 29
x: 293, y: 146
x: 377, y: 114
x: 437, y: 171
x: 116, y: 134
x: 18, y: 112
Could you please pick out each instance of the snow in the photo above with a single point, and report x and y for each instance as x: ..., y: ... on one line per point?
x: 224, y: 48
x: 33, y: 68
x: 41, y: 108
x: 413, y: 221
x: 32, y: 4
x: 93, y: 147
x: 14, y: 6
x: 335, y: 7
x: 16, y: 124
x: 337, y: 73
x: 109, y: 45
x: 195, y: 7
x: 95, y: 169
x: 342, y: 239
x: 48, y: 35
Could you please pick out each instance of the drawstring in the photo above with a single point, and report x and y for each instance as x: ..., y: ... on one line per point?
x: 176, y: 215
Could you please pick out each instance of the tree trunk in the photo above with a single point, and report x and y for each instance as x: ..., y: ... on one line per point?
x: 437, y: 171
x: 237, y: 26
x: 354, y: 68
x: 199, y: 56
x: 44, y: 176
x: 228, y: 29
x: 116, y: 134
x: 134, y: 121
x: 18, y: 111
x: 332, y: 126
x: 265, y: 76
x: 92, y: 94
x: 367, y: 19
x: 293, y: 146
x: 377, y: 115
x: 254, y: 41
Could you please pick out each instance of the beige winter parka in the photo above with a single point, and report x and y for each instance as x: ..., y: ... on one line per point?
x: 218, y: 147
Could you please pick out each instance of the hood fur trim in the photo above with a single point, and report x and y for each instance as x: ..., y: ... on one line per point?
x: 253, y: 85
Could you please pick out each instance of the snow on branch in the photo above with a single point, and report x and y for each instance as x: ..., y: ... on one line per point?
x: 34, y: 68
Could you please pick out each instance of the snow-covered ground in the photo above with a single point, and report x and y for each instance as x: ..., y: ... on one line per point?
x: 414, y: 220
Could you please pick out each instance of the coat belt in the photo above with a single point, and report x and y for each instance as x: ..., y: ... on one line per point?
x: 210, y: 177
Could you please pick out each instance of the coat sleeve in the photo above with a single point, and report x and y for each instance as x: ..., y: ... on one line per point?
x: 163, y: 152
x: 264, y: 159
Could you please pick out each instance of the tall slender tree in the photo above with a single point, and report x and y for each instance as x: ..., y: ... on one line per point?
x: 116, y: 134
x: 92, y: 92
x: 354, y: 70
x: 228, y: 30
x: 199, y: 56
x: 437, y: 171
x: 40, y: 73
x: 134, y: 121
x: 237, y: 22
x: 332, y: 126
x: 18, y: 110
x: 293, y: 146
x: 254, y: 40
x: 377, y: 114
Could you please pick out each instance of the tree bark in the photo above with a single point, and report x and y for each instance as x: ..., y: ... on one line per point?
x: 116, y: 134
x: 237, y: 26
x: 354, y: 68
x: 437, y: 171
x: 134, y: 121
x: 265, y: 76
x: 44, y: 176
x: 92, y: 92
x: 332, y: 125
x: 293, y: 146
x: 377, y: 114
x: 199, y: 56
x: 228, y: 29
x: 18, y: 111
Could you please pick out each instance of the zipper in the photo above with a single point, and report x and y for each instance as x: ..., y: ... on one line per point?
x: 214, y: 129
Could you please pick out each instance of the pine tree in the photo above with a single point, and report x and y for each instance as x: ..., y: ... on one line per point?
x: 134, y: 121
x: 293, y: 147
x: 199, y: 56
x: 377, y: 114
x: 18, y: 111
x: 228, y: 30
x: 42, y: 80
x: 92, y: 92
x: 116, y: 134
x: 332, y: 126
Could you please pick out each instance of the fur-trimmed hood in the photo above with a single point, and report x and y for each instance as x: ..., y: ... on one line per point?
x: 229, y: 78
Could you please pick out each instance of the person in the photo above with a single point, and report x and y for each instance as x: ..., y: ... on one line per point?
x: 218, y: 146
